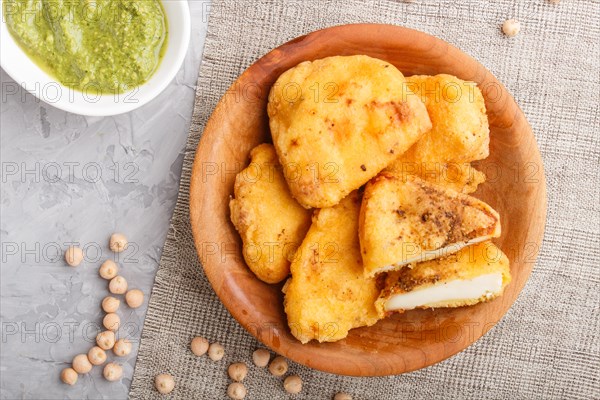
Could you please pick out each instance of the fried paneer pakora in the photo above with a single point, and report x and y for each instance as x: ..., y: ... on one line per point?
x: 475, y: 274
x: 328, y: 294
x: 460, y: 130
x: 405, y: 219
x: 271, y: 223
x: 338, y: 121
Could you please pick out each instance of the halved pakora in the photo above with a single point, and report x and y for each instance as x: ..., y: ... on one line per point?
x: 460, y: 129
x: 328, y: 294
x: 338, y: 121
x: 405, y: 219
x: 271, y: 223
x: 475, y: 274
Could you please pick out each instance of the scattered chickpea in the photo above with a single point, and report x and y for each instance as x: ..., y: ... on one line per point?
x: 237, y: 371
x: 105, y: 340
x: 118, y: 242
x: 216, y: 352
x: 68, y: 376
x: 108, y: 269
x: 111, y: 322
x: 96, y: 355
x: 293, y: 384
x: 81, y: 364
x: 279, y: 366
x: 261, y: 357
x: 117, y: 285
x: 112, y: 372
x: 134, y: 298
x: 122, y: 347
x: 236, y: 391
x: 554, y: 1
x: 164, y: 383
x: 199, y: 346
x: 110, y: 304
x: 74, y: 257
x: 511, y: 27
x: 342, y: 396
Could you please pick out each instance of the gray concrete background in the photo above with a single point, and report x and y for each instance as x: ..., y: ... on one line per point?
x: 68, y: 178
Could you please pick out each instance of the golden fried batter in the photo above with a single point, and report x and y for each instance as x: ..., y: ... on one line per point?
x: 328, y: 294
x: 337, y: 122
x: 271, y: 223
x: 461, y: 177
x: 476, y: 273
x: 405, y: 219
x: 460, y: 131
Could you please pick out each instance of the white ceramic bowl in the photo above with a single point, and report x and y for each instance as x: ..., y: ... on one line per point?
x: 33, y: 79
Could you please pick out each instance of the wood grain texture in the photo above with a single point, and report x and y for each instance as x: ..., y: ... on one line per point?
x: 406, y: 342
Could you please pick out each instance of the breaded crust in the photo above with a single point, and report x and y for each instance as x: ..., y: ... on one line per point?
x: 338, y: 121
x: 461, y: 177
x: 470, y: 262
x: 271, y: 223
x: 460, y: 131
x: 405, y: 219
x: 328, y: 294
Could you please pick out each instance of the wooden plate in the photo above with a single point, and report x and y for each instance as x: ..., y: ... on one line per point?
x: 406, y: 342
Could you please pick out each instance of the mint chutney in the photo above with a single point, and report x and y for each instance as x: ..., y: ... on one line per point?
x: 99, y: 46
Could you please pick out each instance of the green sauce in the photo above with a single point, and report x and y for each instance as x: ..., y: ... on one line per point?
x: 97, y: 46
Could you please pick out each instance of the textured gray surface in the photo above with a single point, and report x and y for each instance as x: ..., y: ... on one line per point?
x: 71, y: 178
x: 547, y: 345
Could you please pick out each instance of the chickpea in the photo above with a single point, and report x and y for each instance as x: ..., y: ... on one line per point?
x: 511, y: 27
x: 199, y: 346
x: 108, y: 269
x: 237, y: 371
x: 96, y: 355
x: 68, y: 376
x: 279, y: 366
x: 216, y: 352
x: 342, y: 396
x: 112, y: 372
x: 110, y: 304
x: 261, y: 357
x: 134, y: 298
x: 236, y: 391
x: 81, y: 364
x: 106, y: 340
x: 292, y: 384
x: 164, y: 383
x: 554, y: 1
x: 118, y: 242
x: 111, y: 322
x: 122, y: 347
x: 117, y: 285
x: 74, y: 257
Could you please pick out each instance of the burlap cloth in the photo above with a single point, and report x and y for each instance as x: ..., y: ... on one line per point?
x: 547, y: 345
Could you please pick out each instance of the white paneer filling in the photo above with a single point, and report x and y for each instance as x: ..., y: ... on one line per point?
x: 459, y: 290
